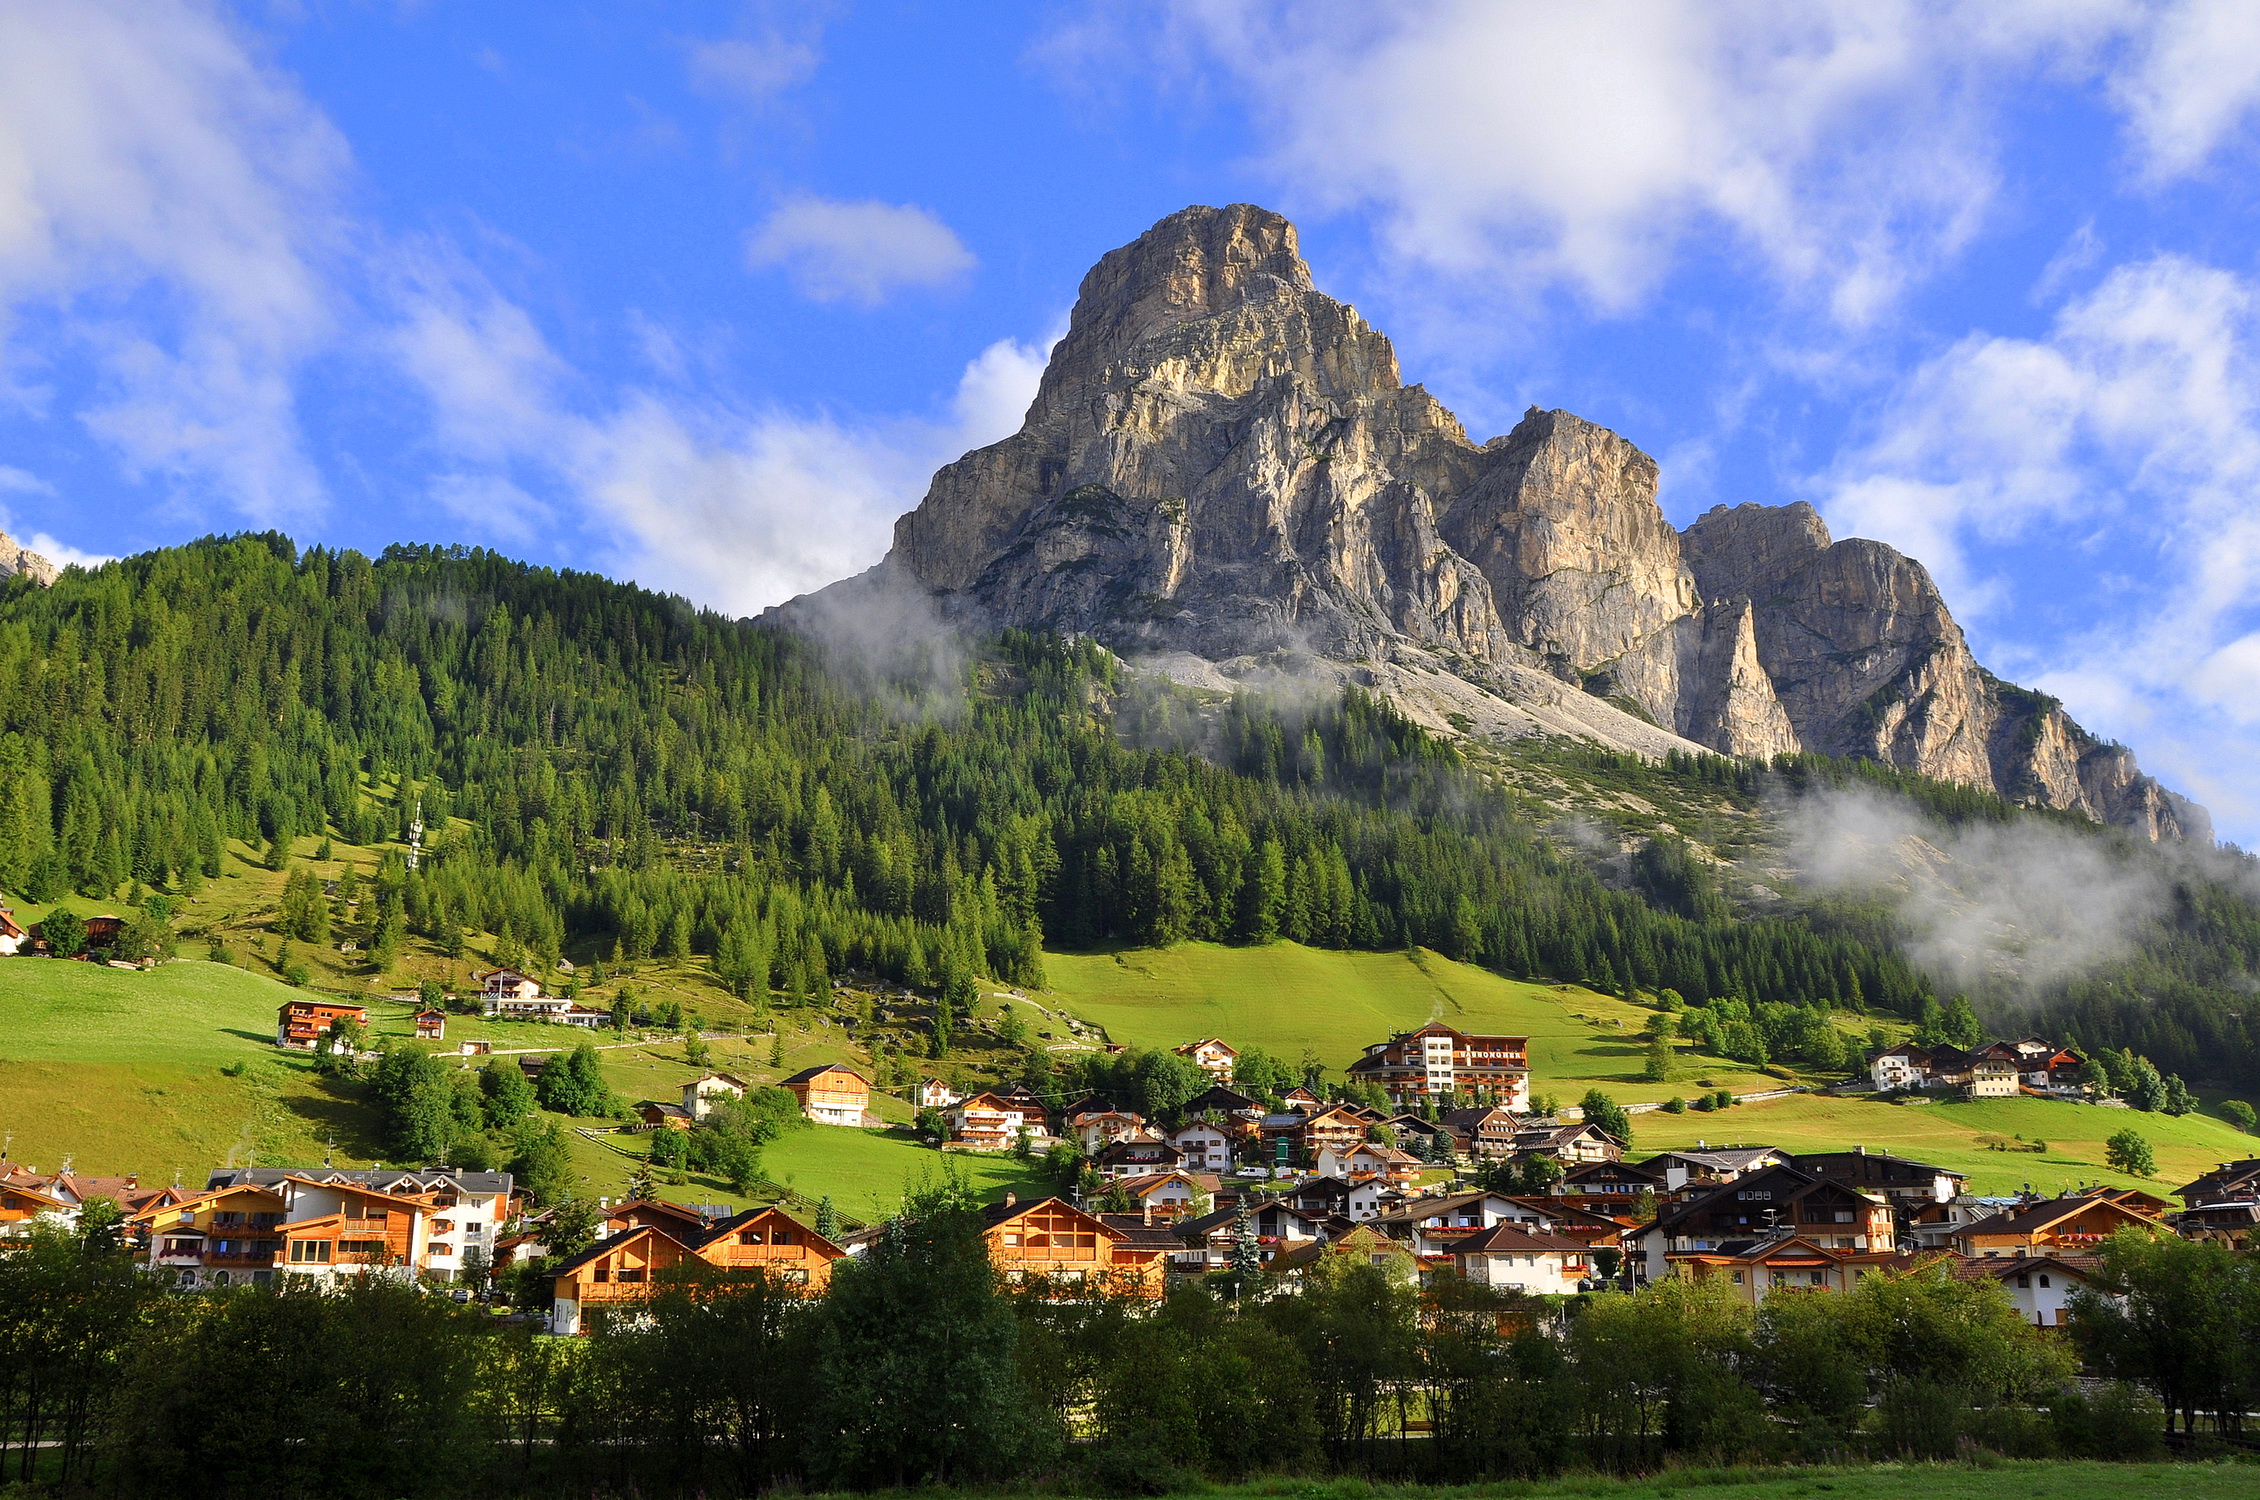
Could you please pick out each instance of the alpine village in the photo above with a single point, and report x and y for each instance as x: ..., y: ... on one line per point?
x: 1177, y: 1012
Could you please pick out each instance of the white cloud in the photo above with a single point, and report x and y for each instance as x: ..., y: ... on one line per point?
x: 742, y: 511
x: 2134, y: 427
x: 62, y: 554
x: 752, y: 72
x: 857, y: 252
x: 23, y: 482
x: 164, y: 206
x: 2192, y: 82
x: 1845, y: 145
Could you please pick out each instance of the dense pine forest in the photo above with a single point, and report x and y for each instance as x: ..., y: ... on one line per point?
x: 601, y: 771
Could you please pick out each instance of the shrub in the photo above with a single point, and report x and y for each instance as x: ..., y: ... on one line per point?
x: 1675, y: 1106
x: 2119, y: 1421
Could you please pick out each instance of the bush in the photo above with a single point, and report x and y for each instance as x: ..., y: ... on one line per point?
x: 2119, y: 1422
x: 1675, y: 1106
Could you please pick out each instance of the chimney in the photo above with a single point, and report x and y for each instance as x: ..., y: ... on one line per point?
x: 1148, y: 1205
x: 1010, y: 1199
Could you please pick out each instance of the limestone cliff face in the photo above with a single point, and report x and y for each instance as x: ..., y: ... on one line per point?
x: 1867, y: 661
x: 1222, y: 471
x: 16, y: 558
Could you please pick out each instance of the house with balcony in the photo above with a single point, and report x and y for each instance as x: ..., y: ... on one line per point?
x: 1761, y: 1205
x: 830, y: 1094
x: 1062, y: 1245
x: 647, y: 1241
x: 1510, y: 1258
x: 2071, y: 1225
x: 1212, y: 1057
x: 1438, y: 1062
x: 301, y: 1024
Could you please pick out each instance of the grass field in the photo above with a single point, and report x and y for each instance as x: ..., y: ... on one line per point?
x: 122, y: 1072
x: 1954, y: 1134
x: 1287, y: 999
x: 1992, y: 1481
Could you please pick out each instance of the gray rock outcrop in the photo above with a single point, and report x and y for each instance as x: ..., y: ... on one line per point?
x: 16, y: 558
x: 1223, y: 473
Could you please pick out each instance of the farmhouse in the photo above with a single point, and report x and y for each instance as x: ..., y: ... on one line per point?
x: 1567, y: 1143
x: 1786, y: 1262
x: 1212, y: 1057
x: 1437, y: 1062
x: 702, y: 1093
x: 830, y: 1094
x: 431, y: 1025
x: 300, y: 1024
x: 1909, y: 1184
x: 1202, y: 1147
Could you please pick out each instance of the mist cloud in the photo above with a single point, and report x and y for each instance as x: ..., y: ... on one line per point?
x: 2021, y: 905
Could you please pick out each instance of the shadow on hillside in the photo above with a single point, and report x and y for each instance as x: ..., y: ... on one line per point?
x: 340, y: 1117
x: 249, y: 1036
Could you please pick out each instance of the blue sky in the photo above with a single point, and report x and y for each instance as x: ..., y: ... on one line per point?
x: 701, y: 294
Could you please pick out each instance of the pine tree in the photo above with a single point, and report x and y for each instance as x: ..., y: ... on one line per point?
x: 827, y: 1219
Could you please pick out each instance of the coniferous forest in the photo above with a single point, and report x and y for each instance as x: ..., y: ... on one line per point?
x: 608, y: 770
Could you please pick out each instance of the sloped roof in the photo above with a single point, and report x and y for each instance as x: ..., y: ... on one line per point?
x: 1507, y: 1237
x: 2040, y: 1216
x: 809, y: 1075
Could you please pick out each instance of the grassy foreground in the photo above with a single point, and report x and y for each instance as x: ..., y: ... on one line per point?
x: 2026, y: 1480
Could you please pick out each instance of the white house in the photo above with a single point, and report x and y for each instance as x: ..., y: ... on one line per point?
x: 701, y: 1094
x: 1202, y: 1148
x: 1511, y: 1258
x: 2039, y: 1286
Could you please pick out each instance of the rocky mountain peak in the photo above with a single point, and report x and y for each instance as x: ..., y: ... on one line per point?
x: 16, y: 558
x: 1223, y: 475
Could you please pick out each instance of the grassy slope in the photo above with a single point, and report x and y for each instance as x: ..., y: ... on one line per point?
x: 122, y: 1071
x: 1285, y: 998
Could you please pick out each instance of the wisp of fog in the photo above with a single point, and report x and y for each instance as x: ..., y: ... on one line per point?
x: 2015, y: 905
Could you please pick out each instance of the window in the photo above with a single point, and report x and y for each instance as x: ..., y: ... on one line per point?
x: 2024, y: 1280
x: 1816, y: 1278
x: 360, y: 1247
x: 1738, y: 1278
x: 780, y: 1237
x: 601, y: 1273
x: 628, y: 1274
x: 2044, y: 1279
x: 753, y: 1237
x: 310, y: 1252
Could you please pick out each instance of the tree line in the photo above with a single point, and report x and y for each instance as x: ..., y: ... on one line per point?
x: 921, y: 1365
x: 599, y: 766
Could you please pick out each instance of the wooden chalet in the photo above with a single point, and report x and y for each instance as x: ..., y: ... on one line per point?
x: 660, y: 1115
x: 1906, y: 1183
x: 1169, y: 1195
x: 1484, y: 1134
x: 301, y: 1024
x: 1618, y: 1181
x: 1361, y: 1246
x: 1136, y: 1158
x: 2075, y: 1225
x: 1754, y: 1268
x: 1053, y: 1240
x: 431, y: 1025
x: 23, y: 1205
x: 1212, y: 1057
x: 2228, y: 1182
x: 1567, y: 1144
x: 1764, y: 1203
x: 626, y: 1266
x: 830, y: 1094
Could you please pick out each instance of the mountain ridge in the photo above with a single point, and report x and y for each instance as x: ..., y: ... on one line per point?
x: 1223, y: 476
